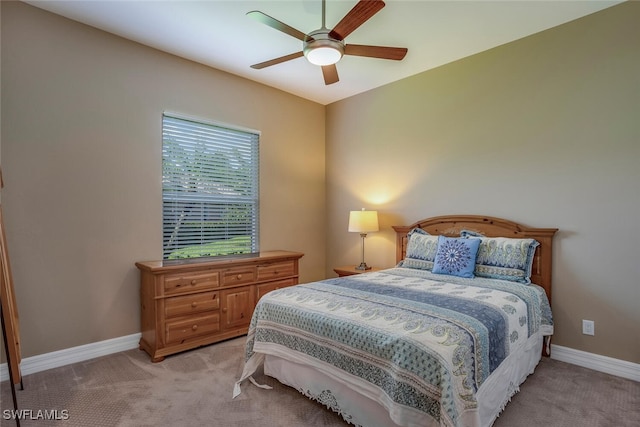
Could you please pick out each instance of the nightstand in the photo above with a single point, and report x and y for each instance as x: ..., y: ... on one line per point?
x: 350, y: 270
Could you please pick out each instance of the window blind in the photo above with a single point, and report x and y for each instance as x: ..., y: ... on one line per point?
x: 210, y: 193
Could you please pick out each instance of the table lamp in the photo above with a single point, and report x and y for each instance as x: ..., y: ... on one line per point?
x: 363, y: 222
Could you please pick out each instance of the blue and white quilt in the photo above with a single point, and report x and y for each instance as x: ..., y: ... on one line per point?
x: 428, y: 341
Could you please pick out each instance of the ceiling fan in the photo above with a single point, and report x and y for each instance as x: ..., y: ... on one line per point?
x: 326, y: 47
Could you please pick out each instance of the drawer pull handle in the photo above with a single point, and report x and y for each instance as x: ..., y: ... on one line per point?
x: 224, y: 310
x: 194, y: 304
x: 194, y: 327
x: 194, y: 281
x: 239, y: 276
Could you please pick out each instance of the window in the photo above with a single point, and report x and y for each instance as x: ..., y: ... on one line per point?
x: 210, y: 191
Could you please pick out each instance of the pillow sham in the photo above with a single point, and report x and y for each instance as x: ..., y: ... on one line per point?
x: 421, y: 250
x: 470, y: 233
x: 456, y: 256
x: 503, y: 257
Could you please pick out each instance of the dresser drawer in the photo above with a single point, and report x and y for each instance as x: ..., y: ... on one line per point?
x: 180, y: 330
x: 193, y: 303
x: 178, y: 283
x: 272, y: 286
x: 239, y: 276
x: 276, y: 269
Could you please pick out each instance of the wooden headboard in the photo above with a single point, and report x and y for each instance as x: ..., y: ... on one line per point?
x: 451, y: 225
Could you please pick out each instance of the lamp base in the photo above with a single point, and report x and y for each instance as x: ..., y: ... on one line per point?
x: 363, y: 266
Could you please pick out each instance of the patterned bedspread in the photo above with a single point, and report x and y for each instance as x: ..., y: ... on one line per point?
x: 427, y: 343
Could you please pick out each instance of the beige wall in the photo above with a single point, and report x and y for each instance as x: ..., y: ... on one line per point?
x: 81, y: 151
x: 544, y: 131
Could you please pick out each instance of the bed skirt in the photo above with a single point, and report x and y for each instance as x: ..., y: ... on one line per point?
x: 363, y: 404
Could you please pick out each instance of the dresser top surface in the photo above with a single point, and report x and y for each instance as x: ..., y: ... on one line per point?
x: 217, y: 262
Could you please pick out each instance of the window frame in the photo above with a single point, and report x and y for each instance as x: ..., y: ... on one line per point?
x: 210, y: 189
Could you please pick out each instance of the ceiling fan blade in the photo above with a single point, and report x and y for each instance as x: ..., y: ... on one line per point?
x: 274, y: 23
x: 330, y: 74
x: 275, y: 61
x: 383, y: 52
x: 357, y: 16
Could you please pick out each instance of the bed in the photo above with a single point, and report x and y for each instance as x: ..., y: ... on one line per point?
x: 444, y: 338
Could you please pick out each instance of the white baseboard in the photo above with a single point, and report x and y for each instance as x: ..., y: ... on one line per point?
x: 608, y: 365
x: 31, y: 365
x: 42, y: 362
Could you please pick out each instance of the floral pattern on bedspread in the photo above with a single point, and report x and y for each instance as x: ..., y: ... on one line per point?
x: 426, y: 343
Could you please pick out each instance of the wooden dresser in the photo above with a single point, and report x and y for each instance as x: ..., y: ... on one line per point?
x: 188, y: 304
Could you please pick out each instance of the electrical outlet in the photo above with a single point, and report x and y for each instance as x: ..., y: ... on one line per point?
x: 588, y: 327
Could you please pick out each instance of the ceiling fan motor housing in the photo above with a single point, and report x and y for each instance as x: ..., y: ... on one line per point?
x: 321, y: 49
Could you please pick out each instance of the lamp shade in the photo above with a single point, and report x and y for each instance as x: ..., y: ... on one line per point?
x: 363, y: 221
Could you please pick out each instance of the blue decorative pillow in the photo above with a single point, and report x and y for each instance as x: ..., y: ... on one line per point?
x: 504, y: 258
x: 421, y: 250
x: 456, y: 256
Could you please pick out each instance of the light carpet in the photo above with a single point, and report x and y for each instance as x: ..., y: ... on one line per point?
x: 194, y: 389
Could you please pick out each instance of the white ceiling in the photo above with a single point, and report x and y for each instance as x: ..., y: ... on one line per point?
x: 219, y: 34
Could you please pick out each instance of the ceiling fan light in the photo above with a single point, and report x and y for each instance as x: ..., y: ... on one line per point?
x: 320, y: 49
x: 323, y: 55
